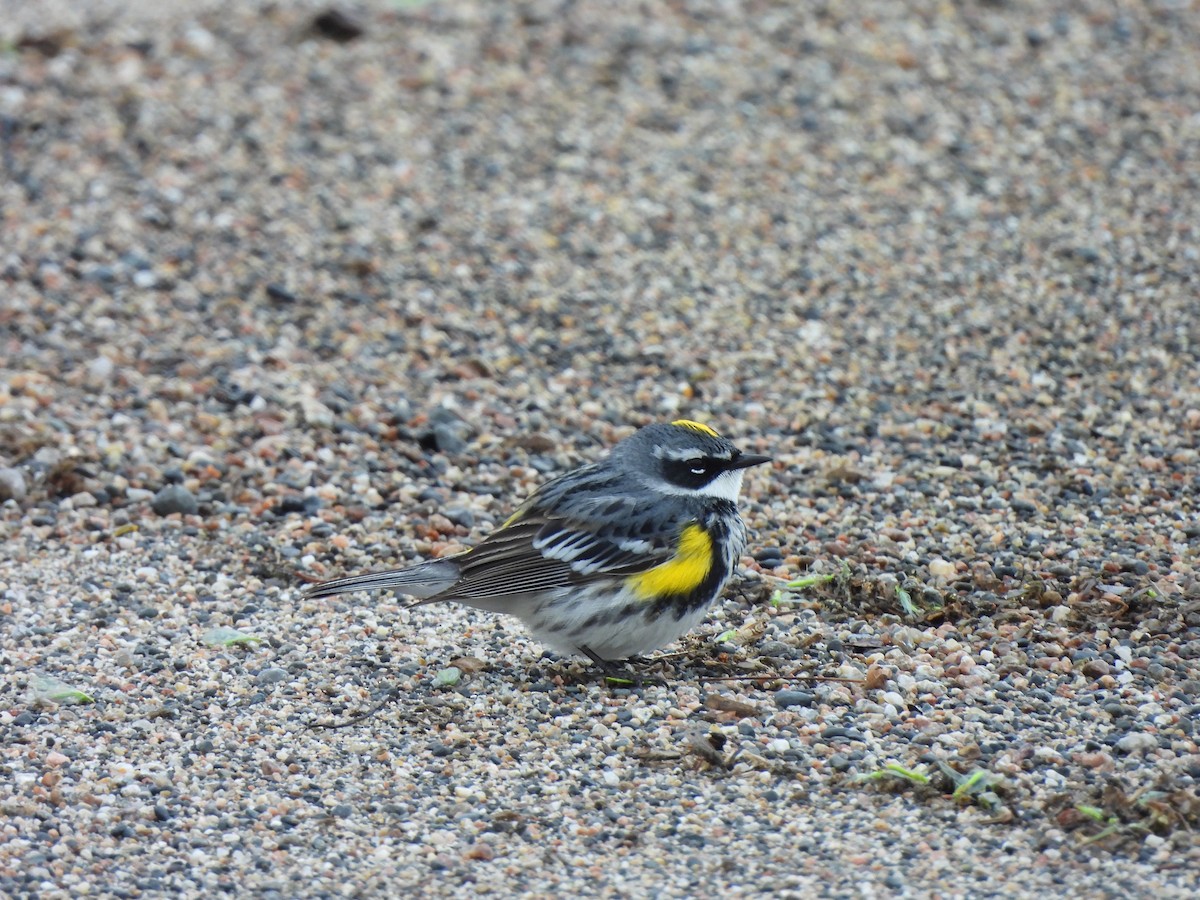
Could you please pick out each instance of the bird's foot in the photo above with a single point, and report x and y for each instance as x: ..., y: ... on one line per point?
x: 616, y: 675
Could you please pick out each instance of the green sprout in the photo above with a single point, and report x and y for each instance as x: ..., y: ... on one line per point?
x: 1111, y: 823
x: 804, y: 582
x: 974, y: 787
x: 906, y: 602
x: 807, y: 581
x: 50, y: 690
x: 895, y: 770
x: 617, y: 679
x: 1151, y: 801
x: 224, y: 636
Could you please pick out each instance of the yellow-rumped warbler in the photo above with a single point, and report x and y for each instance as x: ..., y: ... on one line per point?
x: 611, y: 560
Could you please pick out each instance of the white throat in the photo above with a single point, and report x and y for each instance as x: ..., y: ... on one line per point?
x: 725, y: 486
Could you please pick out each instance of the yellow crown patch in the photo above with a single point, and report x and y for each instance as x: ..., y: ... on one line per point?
x: 695, y: 426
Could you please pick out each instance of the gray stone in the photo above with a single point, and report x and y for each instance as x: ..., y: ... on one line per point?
x: 175, y: 498
x: 786, y: 699
x: 273, y: 675
x: 12, y: 485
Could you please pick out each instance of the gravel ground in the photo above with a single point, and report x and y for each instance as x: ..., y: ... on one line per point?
x: 287, y: 297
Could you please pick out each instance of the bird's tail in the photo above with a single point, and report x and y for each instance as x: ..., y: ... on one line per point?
x: 422, y: 581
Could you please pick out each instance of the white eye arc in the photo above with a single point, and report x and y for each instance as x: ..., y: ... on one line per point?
x: 699, y: 470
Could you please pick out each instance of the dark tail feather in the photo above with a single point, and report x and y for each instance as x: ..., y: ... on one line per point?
x: 422, y: 581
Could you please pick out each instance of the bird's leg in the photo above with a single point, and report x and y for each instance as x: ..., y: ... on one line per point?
x: 614, y: 673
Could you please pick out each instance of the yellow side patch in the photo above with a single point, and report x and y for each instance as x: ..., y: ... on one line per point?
x: 695, y: 426
x: 683, y: 572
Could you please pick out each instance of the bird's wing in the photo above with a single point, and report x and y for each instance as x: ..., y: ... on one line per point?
x: 538, y: 552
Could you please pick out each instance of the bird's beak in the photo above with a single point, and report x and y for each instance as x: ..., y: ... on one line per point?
x: 746, y: 460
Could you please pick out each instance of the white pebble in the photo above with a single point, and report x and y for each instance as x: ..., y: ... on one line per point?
x: 1137, y: 742
x: 199, y: 40
x: 100, y: 370
x: 122, y: 772
x: 12, y: 484
x: 316, y: 413
x: 940, y: 568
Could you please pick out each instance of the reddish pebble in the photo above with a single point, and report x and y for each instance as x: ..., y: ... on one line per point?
x: 54, y: 759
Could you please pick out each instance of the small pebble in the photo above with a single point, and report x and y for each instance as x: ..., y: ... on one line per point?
x: 175, y: 498
x: 271, y: 676
x: 1137, y: 742
x: 787, y: 699
x: 446, y: 438
x: 12, y: 484
x: 940, y: 568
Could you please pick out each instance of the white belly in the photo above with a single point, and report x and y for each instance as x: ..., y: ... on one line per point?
x: 564, y: 627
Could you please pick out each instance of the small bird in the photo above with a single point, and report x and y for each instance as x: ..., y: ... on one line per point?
x: 611, y: 560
